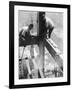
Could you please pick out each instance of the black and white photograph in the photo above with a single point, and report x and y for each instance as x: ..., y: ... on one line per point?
x: 40, y: 45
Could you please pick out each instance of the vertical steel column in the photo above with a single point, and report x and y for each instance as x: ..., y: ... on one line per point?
x: 41, y: 44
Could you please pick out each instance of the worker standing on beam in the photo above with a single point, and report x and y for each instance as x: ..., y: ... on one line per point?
x: 46, y: 25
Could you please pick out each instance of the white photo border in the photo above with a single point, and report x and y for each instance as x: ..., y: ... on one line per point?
x: 18, y: 81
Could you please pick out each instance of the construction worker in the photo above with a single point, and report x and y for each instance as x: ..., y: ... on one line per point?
x: 24, y: 34
x: 24, y: 38
x: 46, y: 25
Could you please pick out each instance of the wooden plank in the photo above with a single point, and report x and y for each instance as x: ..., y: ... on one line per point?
x: 54, y: 52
